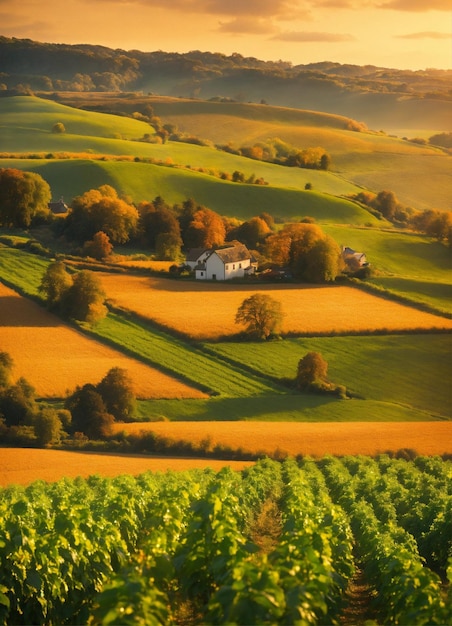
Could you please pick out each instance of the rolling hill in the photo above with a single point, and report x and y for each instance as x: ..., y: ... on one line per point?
x: 419, y: 175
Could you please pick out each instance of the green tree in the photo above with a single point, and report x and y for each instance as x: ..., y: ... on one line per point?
x: 84, y: 300
x: 323, y: 261
x: 48, y: 427
x: 24, y: 196
x: 116, y: 389
x: 17, y: 403
x: 55, y: 283
x: 312, y: 368
x: 6, y: 369
x: 58, y: 128
x: 386, y: 203
x: 261, y: 314
x: 89, y: 413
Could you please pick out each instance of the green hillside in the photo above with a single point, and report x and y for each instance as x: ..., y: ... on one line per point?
x: 142, y: 181
x: 402, y: 370
x: 419, y: 175
x: 406, y: 264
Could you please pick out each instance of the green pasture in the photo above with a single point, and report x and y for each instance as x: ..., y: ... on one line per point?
x: 406, y: 264
x: 179, y: 358
x: 410, y: 371
x: 37, y: 115
x: 22, y: 270
x: 143, y: 181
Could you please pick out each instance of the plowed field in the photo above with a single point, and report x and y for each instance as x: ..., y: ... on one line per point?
x: 207, y: 311
x: 55, y: 358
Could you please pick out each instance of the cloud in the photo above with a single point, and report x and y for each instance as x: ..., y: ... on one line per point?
x: 275, y: 9
x: 416, y: 6
x: 250, y: 26
x: 309, y: 36
x: 426, y: 35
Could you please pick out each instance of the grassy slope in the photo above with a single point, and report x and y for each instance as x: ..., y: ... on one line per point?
x: 422, y: 177
x: 406, y: 264
x: 403, y: 370
x: 142, y: 181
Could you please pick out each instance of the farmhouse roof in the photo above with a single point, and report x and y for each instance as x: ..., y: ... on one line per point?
x: 58, y: 207
x: 194, y: 253
x: 233, y: 253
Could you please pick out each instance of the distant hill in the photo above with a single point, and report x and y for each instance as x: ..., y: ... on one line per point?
x: 382, y: 98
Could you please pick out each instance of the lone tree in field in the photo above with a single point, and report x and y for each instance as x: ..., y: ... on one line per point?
x: 312, y: 368
x: 261, y: 314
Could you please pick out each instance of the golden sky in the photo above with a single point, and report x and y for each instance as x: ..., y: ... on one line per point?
x: 405, y: 34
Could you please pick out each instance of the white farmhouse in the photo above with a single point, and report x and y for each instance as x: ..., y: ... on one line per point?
x: 232, y: 260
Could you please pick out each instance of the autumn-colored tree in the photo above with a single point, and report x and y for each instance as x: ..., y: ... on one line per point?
x: 101, y: 210
x: 206, y: 229
x: 312, y: 368
x: 17, y: 403
x: 99, y: 247
x: 55, y: 283
x: 306, y: 250
x: 261, y: 314
x: 24, y: 197
x: 251, y: 233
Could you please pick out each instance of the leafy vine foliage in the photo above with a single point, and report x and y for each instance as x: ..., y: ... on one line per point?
x: 140, y: 550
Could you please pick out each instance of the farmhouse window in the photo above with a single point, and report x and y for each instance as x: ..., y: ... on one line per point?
x: 214, y: 277
x: 240, y: 266
x: 233, y: 267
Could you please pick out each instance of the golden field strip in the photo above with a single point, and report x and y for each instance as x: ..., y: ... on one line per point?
x: 22, y: 466
x: 55, y: 358
x: 315, y: 439
x: 207, y: 311
x: 19, y: 466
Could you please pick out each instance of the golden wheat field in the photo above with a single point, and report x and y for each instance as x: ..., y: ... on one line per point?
x: 19, y: 466
x: 207, y: 311
x: 23, y: 466
x: 315, y: 439
x: 55, y: 358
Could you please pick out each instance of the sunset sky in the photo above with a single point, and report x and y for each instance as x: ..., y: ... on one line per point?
x: 406, y: 34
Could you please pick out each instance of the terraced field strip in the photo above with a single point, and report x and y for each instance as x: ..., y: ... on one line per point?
x: 315, y: 439
x: 19, y: 466
x: 172, y: 355
x: 207, y: 310
x: 55, y: 358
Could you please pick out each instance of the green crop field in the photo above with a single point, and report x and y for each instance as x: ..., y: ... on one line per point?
x: 408, y: 370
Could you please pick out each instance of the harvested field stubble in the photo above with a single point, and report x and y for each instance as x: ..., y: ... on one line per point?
x: 315, y: 439
x: 207, y: 310
x: 55, y: 358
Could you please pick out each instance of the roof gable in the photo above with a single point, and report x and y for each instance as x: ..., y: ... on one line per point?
x: 233, y: 253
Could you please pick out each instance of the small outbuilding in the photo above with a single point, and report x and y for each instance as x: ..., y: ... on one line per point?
x: 59, y: 207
